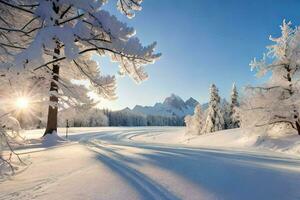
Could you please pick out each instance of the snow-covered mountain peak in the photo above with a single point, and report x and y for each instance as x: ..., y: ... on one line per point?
x: 175, y: 101
x: 191, y: 102
x: 126, y: 109
x: 172, y: 106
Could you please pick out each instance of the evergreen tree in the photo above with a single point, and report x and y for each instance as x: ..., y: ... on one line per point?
x: 194, y: 124
x: 188, y: 124
x: 214, y: 121
x: 225, y: 106
x: 234, y: 104
x: 198, y: 119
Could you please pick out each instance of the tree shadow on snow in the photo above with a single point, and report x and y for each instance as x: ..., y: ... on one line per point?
x: 228, y: 175
x: 147, y: 188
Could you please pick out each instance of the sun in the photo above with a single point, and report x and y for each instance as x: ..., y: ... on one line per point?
x: 22, y: 103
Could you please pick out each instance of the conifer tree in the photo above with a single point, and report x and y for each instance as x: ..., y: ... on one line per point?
x: 198, y: 119
x: 214, y: 121
x: 234, y: 104
x: 194, y: 123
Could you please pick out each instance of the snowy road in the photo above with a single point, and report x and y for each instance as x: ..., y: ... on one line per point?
x: 140, y: 170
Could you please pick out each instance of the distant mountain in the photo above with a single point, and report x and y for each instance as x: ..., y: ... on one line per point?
x: 191, y: 102
x: 170, y: 112
x: 171, y: 106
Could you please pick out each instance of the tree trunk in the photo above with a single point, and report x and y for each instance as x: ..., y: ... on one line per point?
x: 52, y: 110
x: 298, y: 127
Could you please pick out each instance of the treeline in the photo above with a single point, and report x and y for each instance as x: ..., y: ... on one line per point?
x: 218, y: 116
x: 85, y: 116
x: 127, y: 118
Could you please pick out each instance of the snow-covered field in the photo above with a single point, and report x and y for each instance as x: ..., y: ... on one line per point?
x: 158, y: 163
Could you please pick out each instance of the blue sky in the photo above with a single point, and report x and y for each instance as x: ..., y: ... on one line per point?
x: 202, y: 42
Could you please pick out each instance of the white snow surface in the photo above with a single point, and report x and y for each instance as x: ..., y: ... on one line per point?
x: 52, y: 140
x: 157, y: 163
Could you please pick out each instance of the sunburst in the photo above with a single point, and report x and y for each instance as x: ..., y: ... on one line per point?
x: 22, y: 103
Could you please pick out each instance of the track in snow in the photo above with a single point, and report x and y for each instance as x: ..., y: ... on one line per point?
x: 174, y: 172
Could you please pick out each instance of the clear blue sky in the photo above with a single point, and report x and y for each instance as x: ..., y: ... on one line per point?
x: 202, y: 42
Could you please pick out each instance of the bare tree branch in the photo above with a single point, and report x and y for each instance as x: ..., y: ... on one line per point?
x: 19, y: 7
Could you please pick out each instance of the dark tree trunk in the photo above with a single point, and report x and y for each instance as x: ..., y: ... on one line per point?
x: 298, y: 127
x: 52, y: 110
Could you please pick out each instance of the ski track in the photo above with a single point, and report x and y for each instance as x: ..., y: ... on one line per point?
x: 148, y: 188
x: 275, y: 168
x: 39, y: 188
x: 215, y: 173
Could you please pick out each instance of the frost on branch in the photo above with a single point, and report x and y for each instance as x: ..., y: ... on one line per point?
x: 127, y: 7
x: 9, y: 138
x: 47, y: 36
x: 277, y: 101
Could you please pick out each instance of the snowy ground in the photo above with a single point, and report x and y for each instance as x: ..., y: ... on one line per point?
x: 157, y: 163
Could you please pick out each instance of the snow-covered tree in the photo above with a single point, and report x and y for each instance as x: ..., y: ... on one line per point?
x: 188, y: 120
x: 195, y: 123
x: 198, y: 120
x: 278, y: 100
x: 225, y: 109
x: 214, y: 121
x: 82, y: 116
x: 53, y: 43
x: 234, y: 104
x: 9, y: 137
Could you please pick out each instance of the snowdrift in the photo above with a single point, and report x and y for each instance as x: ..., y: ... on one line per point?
x: 232, y: 138
x: 51, y: 140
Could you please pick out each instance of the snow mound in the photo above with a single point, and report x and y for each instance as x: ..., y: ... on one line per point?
x: 233, y: 138
x: 289, y: 144
x: 52, y: 140
x: 245, y: 138
x: 226, y: 138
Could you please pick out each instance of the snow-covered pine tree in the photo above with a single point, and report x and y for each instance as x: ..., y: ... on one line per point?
x: 277, y: 101
x: 54, y: 41
x: 225, y: 109
x: 214, y: 121
x: 194, y: 123
x: 188, y: 124
x: 234, y: 104
x: 197, y: 119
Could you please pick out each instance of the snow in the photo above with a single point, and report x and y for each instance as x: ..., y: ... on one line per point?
x: 51, y: 140
x: 233, y: 138
x: 52, y: 31
x: 276, y: 101
x: 157, y: 163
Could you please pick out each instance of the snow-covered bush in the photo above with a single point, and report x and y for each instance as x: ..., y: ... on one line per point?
x: 214, y: 120
x: 9, y: 138
x: 278, y: 100
x: 194, y: 123
x: 188, y: 120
